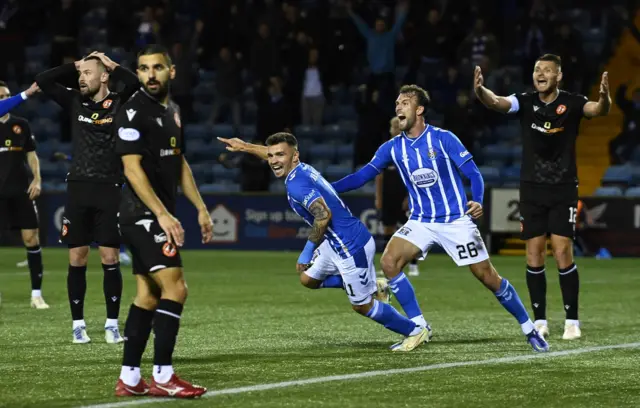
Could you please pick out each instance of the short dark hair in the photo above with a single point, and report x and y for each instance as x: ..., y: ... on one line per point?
x: 4, y: 85
x: 552, y: 58
x: 92, y: 58
x: 423, y: 96
x: 152, y: 49
x: 282, y: 137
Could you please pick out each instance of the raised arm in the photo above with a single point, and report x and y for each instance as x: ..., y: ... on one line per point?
x: 487, y: 97
x: 190, y: 190
x: 603, y: 106
x: 361, y: 25
x: 119, y: 74
x: 48, y: 83
x: 239, y: 145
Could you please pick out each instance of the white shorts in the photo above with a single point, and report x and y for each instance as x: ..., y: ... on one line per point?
x: 461, y: 239
x: 358, y: 271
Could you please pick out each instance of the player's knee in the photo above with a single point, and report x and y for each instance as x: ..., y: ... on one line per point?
x: 536, y: 255
x: 563, y: 254
x: 78, y: 256
x: 146, y: 301
x: 30, y: 238
x: 109, y: 256
x: 177, y: 291
x: 391, y: 264
x: 363, y: 309
x: 486, y: 273
x: 308, y: 282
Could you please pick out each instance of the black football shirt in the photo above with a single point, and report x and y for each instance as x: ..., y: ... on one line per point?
x: 16, y: 140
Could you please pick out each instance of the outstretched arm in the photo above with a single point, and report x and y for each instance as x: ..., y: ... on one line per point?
x: 239, y: 145
x: 356, y: 180
x: 603, y: 106
x: 487, y: 97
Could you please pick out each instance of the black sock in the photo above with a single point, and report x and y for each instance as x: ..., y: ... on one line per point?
x: 414, y: 261
x: 166, y: 322
x: 537, y: 284
x: 34, y: 258
x: 136, y: 334
x: 570, y: 287
x: 77, y: 288
x: 112, y: 286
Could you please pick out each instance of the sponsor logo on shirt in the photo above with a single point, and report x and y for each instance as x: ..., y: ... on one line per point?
x: 93, y: 120
x: 424, y: 178
x: 547, y: 128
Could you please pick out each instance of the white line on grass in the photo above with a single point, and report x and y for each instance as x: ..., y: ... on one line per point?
x: 367, y: 374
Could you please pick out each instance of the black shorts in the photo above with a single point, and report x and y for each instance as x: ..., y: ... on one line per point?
x: 18, y: 213
x: 150, y: 251
x: 91, y: 214
x: 548, y: 210
x: 392, y: 213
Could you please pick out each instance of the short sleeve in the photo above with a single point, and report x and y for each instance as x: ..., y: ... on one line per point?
x: 578, y: 101
x: 304, y: 191
x: 30, y: 142
x: 129, y: 132
x: 382, y: 159
x: 523, y: 101
x: 454, y: 148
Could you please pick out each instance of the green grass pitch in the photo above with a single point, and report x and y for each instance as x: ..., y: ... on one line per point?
x: 249, y: 322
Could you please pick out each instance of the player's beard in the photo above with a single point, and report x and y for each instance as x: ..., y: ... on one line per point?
x: 88, y: 91
x: 160, y: 92
x: 408, y: 123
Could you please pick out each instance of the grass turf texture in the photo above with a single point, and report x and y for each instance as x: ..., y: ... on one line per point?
x: 248, y: 321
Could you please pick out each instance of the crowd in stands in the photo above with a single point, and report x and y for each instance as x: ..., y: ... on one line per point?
x: 327, y: 70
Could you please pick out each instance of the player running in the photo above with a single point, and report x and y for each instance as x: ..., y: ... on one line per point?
x: 340, y: 250
x: 94, y: 180
x: 550, y: 120
x: 440, y: 213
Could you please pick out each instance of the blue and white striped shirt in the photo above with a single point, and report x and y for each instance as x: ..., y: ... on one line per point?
x: 428, y: 166
x: 346, y: 233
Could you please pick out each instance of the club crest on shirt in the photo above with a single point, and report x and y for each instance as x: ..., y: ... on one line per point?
x: 561, y: 109
x: 432, y: 153
x: 424, y: 178
x: 16, y: 129
x: 106, y: 104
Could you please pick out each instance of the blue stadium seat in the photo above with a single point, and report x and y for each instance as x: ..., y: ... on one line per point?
x: 248, y: 132
x: 635, y: 156
x: 323, y: 152
x: 497, y: 151
x: 617, y: 174
x: 206, y: 75
x: 197, y: 132
x: 345, y: 152
x: 345, y: 112
x: 369, y: 188
x: 203, y: 172
x: 277, y: 186
x: 223, y: 130
x: 202, y: 111
x: 511, y: 173
x: 491, y: 175
x: 250, y: 112
x: 306, y: 132
x: 320, y: 165
x: 49, y: 169
x: 635, y: 175
x: 335, y: 172
x: 610, y: 191
x: 632, y: 192
x: 212, y: 188
x: 334, y: 132
x: 222, y: 173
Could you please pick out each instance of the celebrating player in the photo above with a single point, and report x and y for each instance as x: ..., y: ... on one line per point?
x: 94, y: 181
x: 550, y: 119
x: 7, y: 104
x: 17, y: 208
x: 440, y: 213
x: 151, y: 143
x: 338, y: 242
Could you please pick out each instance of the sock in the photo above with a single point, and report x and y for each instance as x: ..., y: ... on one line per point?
x: 537, y: 285
x: 333, y: 281
x: 413, y: 266
x: 36, y: 293
x: 34, y: 258
x: 509, y: 299
x: 136, y: 334
x: 389, y: 317
x: 130, y: 375
x: 166, y: 322
x: 112, y: 286
x: 162, y: 373
x: 406, y: 296
x: 111, y: 323
x: 77, y: 288
x: 570, y: 287
x: 79, y: 323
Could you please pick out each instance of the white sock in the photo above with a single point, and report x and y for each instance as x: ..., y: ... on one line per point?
x: 415, y: 331
x: 162, y: 374
x: 78, y: 323
x: 130, y: 375
x: 419, y: 320
x: 541, y: 322
x: 36, y: 293
x: 111, y: 323
x: 573, y: 322
x: 527, y: 327
x: 413, y: 268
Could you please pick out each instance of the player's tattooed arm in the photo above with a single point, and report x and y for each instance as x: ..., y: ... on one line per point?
x: 321, y: 217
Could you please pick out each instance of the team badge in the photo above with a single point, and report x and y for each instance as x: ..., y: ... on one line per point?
x: 16, y: 129
x: 106, y: 104
x: 561, y: 109
x: 169, y: 250
x: 432, y: 153
x: 176, y: 117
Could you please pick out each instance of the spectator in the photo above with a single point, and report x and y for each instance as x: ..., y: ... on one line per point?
x: 431, y: 45
x: 314, y: 91
x: 621, y: 148
x: 64, y: 30
x: 265, y: 57
x: 148, y: 31
x: 479, y: 43
x: 254, y: 172
x: 372, y: 125
x: 461, y: 119
x: 228, y: 87
x: 13, y: 17
x: 274, y: 114
x: 182, y: 84
x: 297, y: 60
x: 568, y: 45
x: 381, y: 45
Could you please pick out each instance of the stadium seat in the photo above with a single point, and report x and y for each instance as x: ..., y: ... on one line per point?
x: 617, y: 174
x: 320, y: 165
x: 496, y: 151
x: 206, y: 75
x: 369, y: 188
x: 335, y: 172
x: 307, y: 132
x: 202, y: 172
x: 632, y: 192
x: 277, y: 186
x: 323, y: 152
x: 491, y: 175
x: 333, y: 132
x: 345, y: 152
x: 223, y: 130
x: 511, y: 173
x: 610, y: 191
x: 221, y: 173
x: 202, y: 111
x: 197, y: 132
x: 635, y: 156
x: 345, y: 112
x: 248, y: 132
